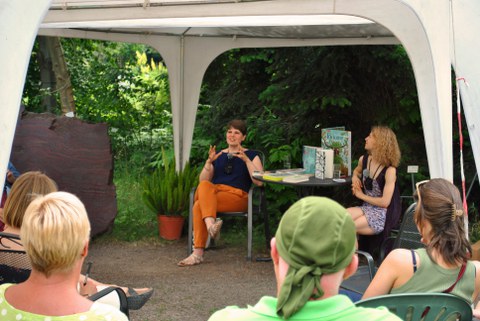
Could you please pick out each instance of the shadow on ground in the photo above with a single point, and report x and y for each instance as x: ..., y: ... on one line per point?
x: 190, y: 293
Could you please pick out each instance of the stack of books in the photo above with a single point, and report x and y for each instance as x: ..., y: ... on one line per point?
x: 297, y: 178
x: 295, y: 175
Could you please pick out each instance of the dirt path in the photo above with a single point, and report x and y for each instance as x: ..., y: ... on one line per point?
x: 192, y: 293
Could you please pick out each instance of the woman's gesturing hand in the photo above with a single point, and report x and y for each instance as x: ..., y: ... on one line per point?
x: 212, y: 156
x: 241, y: 154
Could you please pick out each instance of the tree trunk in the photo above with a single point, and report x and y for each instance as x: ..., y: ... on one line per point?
x: 47, y: 76
x: 64, y: 85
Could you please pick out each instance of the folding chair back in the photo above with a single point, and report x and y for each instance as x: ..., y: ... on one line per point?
x: 254, y: 207
x: 407, y: 237
x: 14, y: 264
x: 422, y: 306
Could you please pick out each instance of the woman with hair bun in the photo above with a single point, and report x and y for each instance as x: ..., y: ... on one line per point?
x: 443, y: 265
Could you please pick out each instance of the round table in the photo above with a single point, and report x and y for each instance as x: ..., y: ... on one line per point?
x: 307, y: 188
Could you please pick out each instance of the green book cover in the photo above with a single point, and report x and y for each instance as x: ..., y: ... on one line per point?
x: 341, y: 143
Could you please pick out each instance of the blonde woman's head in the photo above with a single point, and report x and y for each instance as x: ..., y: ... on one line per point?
x: 385, y: 150
x: 55, y: 232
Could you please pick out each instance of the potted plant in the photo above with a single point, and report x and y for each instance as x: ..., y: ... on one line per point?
x: 166, y: 192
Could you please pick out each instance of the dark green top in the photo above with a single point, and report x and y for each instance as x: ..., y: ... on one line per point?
x: 431, y: 277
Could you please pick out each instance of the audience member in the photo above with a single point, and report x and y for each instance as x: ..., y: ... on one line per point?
x: 10, y: 178
x: 443, y: 265
x: 12, y: 175
x: 313, y: 252
x: 29, y: 186
x: 55, y: 233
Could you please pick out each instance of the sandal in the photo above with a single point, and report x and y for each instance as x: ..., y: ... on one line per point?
x: 193, y: 259
x: 136, y: 300
x: 214, y: 230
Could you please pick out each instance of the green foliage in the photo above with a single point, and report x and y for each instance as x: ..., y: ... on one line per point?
x: 133, y: 221
x: 166, y: 191
x: 474, y: 223
x: 124, y: 85
x: 287, y: 95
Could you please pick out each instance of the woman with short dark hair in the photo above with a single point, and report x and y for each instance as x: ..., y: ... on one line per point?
x: 225, y: 180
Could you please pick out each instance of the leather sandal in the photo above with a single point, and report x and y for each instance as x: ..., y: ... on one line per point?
x: 193, y: 259
x: 214, y: 230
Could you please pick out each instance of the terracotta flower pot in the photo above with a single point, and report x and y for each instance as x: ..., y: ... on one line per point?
x: 170, y: 227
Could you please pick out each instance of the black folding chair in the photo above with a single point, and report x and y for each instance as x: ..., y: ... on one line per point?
x: 407, y: 237
x: 15, y: 265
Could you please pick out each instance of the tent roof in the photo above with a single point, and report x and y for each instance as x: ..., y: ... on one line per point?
x: 163, y: 17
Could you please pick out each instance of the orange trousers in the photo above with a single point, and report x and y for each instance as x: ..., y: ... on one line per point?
x: 212, y: 198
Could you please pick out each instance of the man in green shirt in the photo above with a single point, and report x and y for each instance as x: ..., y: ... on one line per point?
x: 313, y: 251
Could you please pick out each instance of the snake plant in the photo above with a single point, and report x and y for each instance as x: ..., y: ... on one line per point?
x: 166, y: 191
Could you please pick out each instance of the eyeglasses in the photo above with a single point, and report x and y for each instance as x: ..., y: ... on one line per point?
x: 228, y: 169
x: 417, y: 186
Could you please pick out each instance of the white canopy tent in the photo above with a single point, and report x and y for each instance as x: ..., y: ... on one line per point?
x: 190, y: 34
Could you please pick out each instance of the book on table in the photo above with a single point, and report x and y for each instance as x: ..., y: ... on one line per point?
x: 309, y: 157
x: 341, y: 142
x: 273, y: 177
x: 297, y: 178
x: 318, y: 161
x: 324, y: 163
x: 294, y: 175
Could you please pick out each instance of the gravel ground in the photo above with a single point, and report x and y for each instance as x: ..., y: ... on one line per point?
x: 190, y: 293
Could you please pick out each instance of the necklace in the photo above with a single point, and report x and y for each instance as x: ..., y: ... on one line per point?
x: 370, y: 163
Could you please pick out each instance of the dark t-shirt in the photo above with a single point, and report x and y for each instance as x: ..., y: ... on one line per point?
x: 239, y: 177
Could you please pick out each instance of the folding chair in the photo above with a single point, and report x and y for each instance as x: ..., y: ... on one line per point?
x: 422, y: 306
x: 15, y: 267
x: 256, y: 205
x: 407, y: 237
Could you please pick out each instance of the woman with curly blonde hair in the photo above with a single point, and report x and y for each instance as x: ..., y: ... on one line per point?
x: 374, y: 182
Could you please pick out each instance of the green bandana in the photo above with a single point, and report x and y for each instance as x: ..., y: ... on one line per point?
x: 316, y: 236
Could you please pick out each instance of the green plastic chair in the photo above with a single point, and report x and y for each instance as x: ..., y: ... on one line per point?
x: 422, y: 306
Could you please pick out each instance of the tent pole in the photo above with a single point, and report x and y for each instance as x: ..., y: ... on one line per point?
x: 181, y: 161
